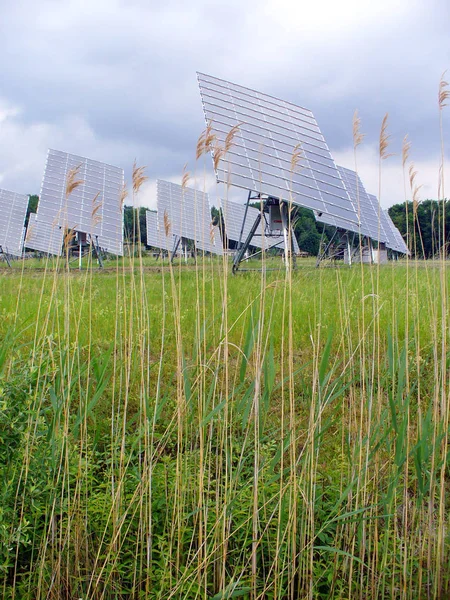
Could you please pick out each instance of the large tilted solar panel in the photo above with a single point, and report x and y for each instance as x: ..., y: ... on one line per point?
x: 44, y: 237
x: 94, y: 207
x: 188, y: 215
x: 13, y: 210
x: 397, y: 236
x: 269, y: 131
x: 155, y: 237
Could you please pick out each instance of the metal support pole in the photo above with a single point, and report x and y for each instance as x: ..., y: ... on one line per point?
x: 287, y: 241
x: 322, y: 256
x: 243, y: 222
x: 5, y: 254
x: 80, y: 254
x: 96, y: 248
x: 176, y: 243
x: 241, y: 251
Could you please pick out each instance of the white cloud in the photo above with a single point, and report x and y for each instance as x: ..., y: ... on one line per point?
x: 392, y: 176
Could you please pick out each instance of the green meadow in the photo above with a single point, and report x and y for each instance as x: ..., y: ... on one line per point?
x: 179, y: 432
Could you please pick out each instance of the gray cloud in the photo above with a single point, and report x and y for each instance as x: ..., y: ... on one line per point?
x: 116, y: 80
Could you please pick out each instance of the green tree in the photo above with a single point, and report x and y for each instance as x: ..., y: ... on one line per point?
x: 32, y: 207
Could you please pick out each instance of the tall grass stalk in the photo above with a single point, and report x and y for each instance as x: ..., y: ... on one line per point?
x: 179, y: 433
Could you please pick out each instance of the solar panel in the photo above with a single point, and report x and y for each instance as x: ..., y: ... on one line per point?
x: 397, y: 239
x: 94, y: 207
x: 13, y: 210
x: 44, y: 237
x: 269, y: 132
x: 185, y: 212
x: 233, y: 214
x: 372, y: 224
x: 155, y: 237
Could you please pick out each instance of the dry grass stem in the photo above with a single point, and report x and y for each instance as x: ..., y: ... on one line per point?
x: 444, y: 93
x: 138, y: 177
x: 406, y: 147
x: 123, y: 196
x: 167, y: 225
x: 297, y: 154
x: 357, y: 135
x: 96, y: 206
x: 384, y: 138
x: 185, y: 178
x: 71, y: 181
x: 230, y: 137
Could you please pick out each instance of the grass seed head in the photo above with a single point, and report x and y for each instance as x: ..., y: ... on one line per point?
x: 185, y: 178
x: 167, y: 225
x: 96, y: 206
x: 230, y: 137
x: 138, y: 177
x: 384, y: 138
x: 444, y: 93
x: 123, y: 196
x: 357, y: 135
x: 297, y: 154
x: 71, y: 181
x: 406, y: 147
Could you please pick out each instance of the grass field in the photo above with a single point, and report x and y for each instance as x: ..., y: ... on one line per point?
x: 184, y: 433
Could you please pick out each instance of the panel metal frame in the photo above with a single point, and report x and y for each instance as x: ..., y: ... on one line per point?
x: 278, y: 149
x: 187, y: 214
x: 94, y: 207
x: 13, y: 212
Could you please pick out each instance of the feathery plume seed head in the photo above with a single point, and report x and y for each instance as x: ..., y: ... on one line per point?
x: 217, y: 155
x: 167, y: 226
x: 297, y: 154
x: 96, y: 206
x: 138, y: 177
x: 384, y: 138
x: 357, y: 135
x: 205, y: 141
x: 412, y: 175
x: 123, y: 196
x: 185, y: 178
x: 71, y: 181
x: 210, y: 137
x: 69, y: 235
x: 200, y: 146
x: 230, y: 137
x: 444, y: 93
x: 406, y: 147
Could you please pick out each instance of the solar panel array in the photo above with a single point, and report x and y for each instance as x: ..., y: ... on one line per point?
x: 233, y: 214
x: 396, y: 241
x: 155, y: 237
x: 371, y: 225
x: 13, y: 210
x: 270, y: 132
x: 44, y: 237
x: 186, y: 213
x: 94, y: 207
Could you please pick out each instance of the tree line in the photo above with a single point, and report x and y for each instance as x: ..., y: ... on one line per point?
x: 424, y: 227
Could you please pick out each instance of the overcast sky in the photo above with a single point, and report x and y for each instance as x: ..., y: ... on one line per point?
x: 116, y: 80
